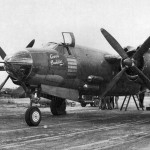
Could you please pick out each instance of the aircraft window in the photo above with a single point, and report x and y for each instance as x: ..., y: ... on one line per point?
x: 51, y: 45
x: 22, y: 57
x: 20, y: 64
x: 63, y: 50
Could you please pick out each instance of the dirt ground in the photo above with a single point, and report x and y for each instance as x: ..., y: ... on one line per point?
x: 81, y: 129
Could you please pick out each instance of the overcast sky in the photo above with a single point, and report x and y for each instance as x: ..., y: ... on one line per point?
x: 44, y: 20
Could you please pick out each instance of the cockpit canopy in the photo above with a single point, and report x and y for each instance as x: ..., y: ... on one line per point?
x: 68, y: 41
x: 50, y: 45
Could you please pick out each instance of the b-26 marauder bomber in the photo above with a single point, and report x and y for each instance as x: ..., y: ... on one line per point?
x: 60, y: 71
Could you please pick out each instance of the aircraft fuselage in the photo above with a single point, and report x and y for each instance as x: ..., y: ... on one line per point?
x: 63, y: 73
x: 57, y: 69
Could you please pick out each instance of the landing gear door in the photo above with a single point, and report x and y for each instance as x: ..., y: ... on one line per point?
x: 69, y: 39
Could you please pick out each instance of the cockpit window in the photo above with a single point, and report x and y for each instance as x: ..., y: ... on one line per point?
x: 19, y: 57
x: 50, y: 45
x: 64, y: 50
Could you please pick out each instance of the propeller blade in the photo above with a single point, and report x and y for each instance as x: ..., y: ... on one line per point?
x: 2, y: 53
x: 113, y: 82
x: 144, y: 78
x: 143, y: 49
x: 116, y: 46
x: 31, y: 44
x: 3, y: 83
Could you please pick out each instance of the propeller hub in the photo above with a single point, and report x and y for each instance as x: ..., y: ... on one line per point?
x: 128, y: 62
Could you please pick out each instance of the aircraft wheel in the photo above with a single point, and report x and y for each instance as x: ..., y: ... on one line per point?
x: 58, y: 106
x: 83, y: 104
x: 33, y: 116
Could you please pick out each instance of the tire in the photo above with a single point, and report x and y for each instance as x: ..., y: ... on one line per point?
x: 33, y: 116
x: 58, y: 106
x: 83, y: 104
x: 27, y: 117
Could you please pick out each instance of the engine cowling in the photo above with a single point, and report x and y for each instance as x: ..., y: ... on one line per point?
x: 132, y: 76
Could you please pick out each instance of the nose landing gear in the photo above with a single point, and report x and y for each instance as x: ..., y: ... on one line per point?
x: 33, y: 113
x: 33, y: 116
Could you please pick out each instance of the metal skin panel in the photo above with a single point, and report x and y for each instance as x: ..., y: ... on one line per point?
x: 92, y: 62
x: 61, y: 92
x: 63, y: 70
x: 49, y: 67
x: 53, y: 66
x: 71, y: 72
x: 39, y: 68
x: 57, y: 65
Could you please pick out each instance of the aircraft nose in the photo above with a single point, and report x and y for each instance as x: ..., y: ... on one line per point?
x: 19, y: 65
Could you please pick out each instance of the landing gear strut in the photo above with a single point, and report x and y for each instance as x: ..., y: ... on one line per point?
x: 33, y: 113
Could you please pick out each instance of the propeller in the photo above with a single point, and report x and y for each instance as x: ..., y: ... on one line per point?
x: 3, y: 83
x: 143, y: 49
x: 116, y: 46
x: 113, y: 82
x: 31, y: 44
x: 2, y: 53
x: 144, y: 78
x: 127, y: 61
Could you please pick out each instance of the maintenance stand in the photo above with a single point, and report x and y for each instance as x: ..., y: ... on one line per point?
x: 127, y: 100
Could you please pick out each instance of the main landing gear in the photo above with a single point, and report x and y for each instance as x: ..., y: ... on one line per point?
x: 33, y: 114
x: 58, y: 106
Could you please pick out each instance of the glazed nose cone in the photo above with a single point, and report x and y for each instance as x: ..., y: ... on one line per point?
x: 19, y: 65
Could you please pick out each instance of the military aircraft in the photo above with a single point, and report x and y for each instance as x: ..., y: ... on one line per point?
x: 60, y: 71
